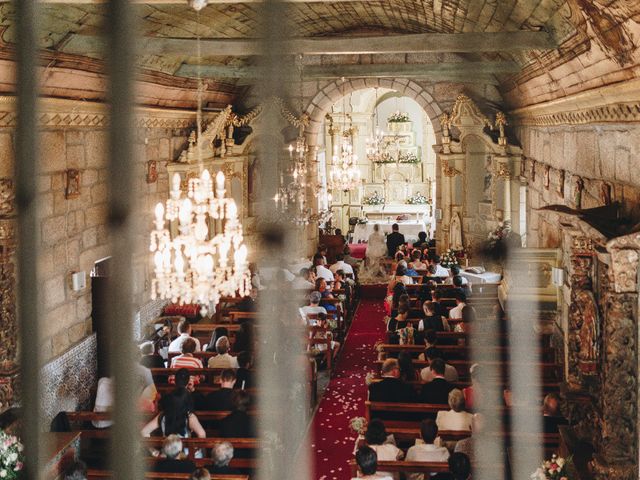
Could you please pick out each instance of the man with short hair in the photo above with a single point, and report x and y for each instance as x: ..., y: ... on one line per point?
x: 184, y: 330
x: 552, y: 417
x: 437, y: 390
x: 314, y: 306
x: 171, y: 449
x: 461, y: 301
x: 221, y: 399
x: 304, y: 280
x: 148, y: 357
x: 459, y: 468
x: 222, y: 454
x: 394, y: 240
x: 77, y: 470
x: 391, y: 388
x: 353, y: 261
x: 321, y: 270
x: 422, y: 242
x: 426, y: 451
x: 440, y: 270
x: 367, y: 461
x: 427, y: 375
x: 341, y: 265
x: 223, y: 359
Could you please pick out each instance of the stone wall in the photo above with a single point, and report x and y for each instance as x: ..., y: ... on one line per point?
x: 601, y: 156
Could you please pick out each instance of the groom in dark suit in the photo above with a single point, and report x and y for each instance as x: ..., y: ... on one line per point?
x: 394, y: 240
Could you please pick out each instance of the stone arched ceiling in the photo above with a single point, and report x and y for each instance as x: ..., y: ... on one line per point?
x: 596, y: 39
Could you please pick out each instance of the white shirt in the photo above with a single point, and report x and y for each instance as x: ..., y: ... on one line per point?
x: 223, y: 361
x: 456, y: 312
x: 449, y: 281
x: 176, y: 345
x: 301, y: 284
x: 375, y: 476
x: 388, y: 452
x: 341, y: 265
x: 304, y: 311
x: 450, y: 374
x: 450, y: 420
x: 324, y: 272
x: 425, y: 453
x: 268, y: 274
x: 441, y: 271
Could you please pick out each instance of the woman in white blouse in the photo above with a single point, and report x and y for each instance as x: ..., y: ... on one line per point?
x: 456, y: 418
x: 383, y: 444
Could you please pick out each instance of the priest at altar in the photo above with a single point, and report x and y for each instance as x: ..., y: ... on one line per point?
x: 409, y: 228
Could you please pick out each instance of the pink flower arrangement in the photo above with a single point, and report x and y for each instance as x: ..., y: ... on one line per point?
x: 11, y: 461
x: 554, y: 469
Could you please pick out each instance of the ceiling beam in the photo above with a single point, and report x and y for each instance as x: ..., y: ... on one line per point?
x: 183, y: 2
x: 467, y: 72
x: 412, y: 43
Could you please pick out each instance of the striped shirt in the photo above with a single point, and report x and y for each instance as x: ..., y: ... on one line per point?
x: 186, y: 361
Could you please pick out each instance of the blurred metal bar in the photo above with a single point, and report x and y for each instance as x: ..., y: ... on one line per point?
x: 125, y: 461
x: 26, y: 168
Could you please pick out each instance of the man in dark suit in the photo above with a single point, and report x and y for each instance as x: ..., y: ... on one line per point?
x: 221, y: 399
x: 171, y: 448
x: 552, y: 417
x: 437, y: 390
x: 238, y: 423
x: 391, y: 388
x: 394, y: 240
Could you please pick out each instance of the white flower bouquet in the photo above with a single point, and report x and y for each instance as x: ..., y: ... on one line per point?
x: 11, y: 460
x: 398, y: 117
x: 358, y: 425
x: 449, y: 258
x: 554, y: 469
x: 374, y: 199
x: 417, y: 199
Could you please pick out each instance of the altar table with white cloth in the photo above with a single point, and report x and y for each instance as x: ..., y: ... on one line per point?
x: 486, y: 277
x: 409, y: 229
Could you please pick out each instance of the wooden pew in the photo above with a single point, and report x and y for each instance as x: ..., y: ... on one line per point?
x: 312, y: 341
x: 93, y: 474
x: 405, y: 467
x: 463, y: 351
x: 544, y: 388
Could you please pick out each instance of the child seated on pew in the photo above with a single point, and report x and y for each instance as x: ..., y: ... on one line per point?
x: 384, y: 445
x: 425, y: 449
x: 367, y: 461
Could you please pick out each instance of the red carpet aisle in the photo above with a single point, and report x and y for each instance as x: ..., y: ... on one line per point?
x: 344, y: 398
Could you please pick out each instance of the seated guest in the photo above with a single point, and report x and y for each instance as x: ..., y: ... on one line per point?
x: 439, y: 308
x: 408, y: 372
x: 463, y: 287
x: 422, y: 242
x: 377, y: 439
x: 77, y: 470
x: 221, y: 455
x: 322, y: 251
x: 459, y: 468
x: 440, y: 270
x: 171, y: 463
x: 187, y: 360
x: 238, y: 423
x: 338, y: 233
x: 176, y: 417
x: 425, y: 449
x: 338, y: 283
x: 456, y: 418
x: 184, y: 331
x: 184, y: 380
x: 244, y: 337
x: 243, y: 374
x: 321, y: 270
x: 391, y: 388
x: 341, y: 265
x: 304, y: 281
x: 430, y: 341
x: 552, y: 417
x: 427, y: 374
x: 401, y: 276
x: 223, y: 359
x: 468, y: 319
x: 325, y: 293
x: 221, y: 399
x: 354, y: 262
x: 217, y: 333
x: 367, y: 461
x: 313, y: 307
x: 248, y: 303
x: 400, y: 320
x: 394, y: 240
x: 200, y: 474
x: 455, y: 272
x: 411, y: 271
x: 466, y: 445
x: 456, y: 312
x: 416, y: 262
x: 149, y: 358
x: 432, y: 320
x: 324, y: 335
x: 437, y: 390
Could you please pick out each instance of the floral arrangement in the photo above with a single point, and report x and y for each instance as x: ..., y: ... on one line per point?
x: 10, y: 457
x: 408, y: 158
x: 399, y: 117
x: 500, y: 233
x: 374, y: 199
x: 417, y: 199
x: 449, y: 258
x: 358, y: 425
x: 554, y: 469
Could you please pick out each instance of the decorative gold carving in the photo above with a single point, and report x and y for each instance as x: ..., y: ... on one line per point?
x: 449, y: 171
x: 229, y: 171
x: 298, y: 122
x: 72, y: 189
x: 152, y: 171
x: 7, y: 197
x: 577, y: 192
x: 586, y: 321
x: 624, y: 269
x: 501, y: 122
x: 582, y: 246
x: 466, y: 112
x: 503, y: 171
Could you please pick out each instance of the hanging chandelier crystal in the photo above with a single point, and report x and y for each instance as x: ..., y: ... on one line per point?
x: 197, y: 265
x: 375, y: 146
x: 291, y: 196
x: 345, y: 174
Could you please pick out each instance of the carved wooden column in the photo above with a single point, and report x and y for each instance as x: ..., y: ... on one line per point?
x: 9, y: 391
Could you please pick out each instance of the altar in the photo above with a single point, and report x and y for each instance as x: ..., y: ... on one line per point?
x: 382, y: 212
x: 409, y: 228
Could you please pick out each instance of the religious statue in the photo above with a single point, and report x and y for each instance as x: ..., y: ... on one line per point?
x: 584, y: 312
x: 605, y: 193
x: 72, y: 189
x: 488, y: 179
x: 152, y: 171
x: 455, y: 232
x: 577, y: 192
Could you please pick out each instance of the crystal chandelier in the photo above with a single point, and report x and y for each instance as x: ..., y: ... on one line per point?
x: 197, y: 265
x: 345, y: 174
x: 375, y: 146
x: 291, y: 197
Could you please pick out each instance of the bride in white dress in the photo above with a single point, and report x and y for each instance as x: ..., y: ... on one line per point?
x: 376, y: 251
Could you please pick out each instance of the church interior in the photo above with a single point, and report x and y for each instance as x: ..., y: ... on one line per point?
x: 319, y: 239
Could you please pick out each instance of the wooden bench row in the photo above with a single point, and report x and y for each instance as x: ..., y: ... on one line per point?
x: 97, y: 474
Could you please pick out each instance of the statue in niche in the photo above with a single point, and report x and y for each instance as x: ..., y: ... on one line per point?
x: 577, y: 192
x: 455, y: 232
x: 523, y: 167
x: 584, y: 315
x: 546, y: 179
x: 605, y: 193
x: 488, y: 179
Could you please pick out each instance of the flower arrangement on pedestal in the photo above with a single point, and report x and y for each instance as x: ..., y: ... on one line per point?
x: 500, y: 233
x: 10, y: 457
x: 408, y: 157
x: 399, y: 117
x: 449, y: 258
x: 417, y: 199
x: 374, y: 199
x: 554, y: 469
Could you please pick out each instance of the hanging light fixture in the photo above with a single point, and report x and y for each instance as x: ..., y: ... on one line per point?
x: 207, y: 259
x: 345, y: 174
x: 375, y: 148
